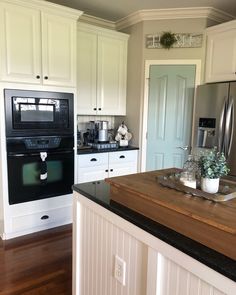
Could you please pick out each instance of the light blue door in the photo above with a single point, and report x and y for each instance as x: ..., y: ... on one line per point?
x: 171, y: 93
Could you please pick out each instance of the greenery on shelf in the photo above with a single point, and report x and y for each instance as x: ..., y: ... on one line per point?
x: 213, y: 165
x: 168, y: 39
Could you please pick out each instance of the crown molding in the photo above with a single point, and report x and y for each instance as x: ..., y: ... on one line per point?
x: 222, y: 27
x: 48, y: 6
x: 85, y: 27
x: 174, y: 13
x: 96, y: 21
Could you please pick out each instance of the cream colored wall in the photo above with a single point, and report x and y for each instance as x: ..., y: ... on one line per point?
x: 134, y: 80
x: 137, y: 54
x: 175, y: 26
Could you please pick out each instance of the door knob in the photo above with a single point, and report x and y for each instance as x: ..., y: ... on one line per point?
x: 184, y: 148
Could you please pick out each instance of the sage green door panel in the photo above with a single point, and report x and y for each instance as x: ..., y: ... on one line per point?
x: 171, y: 92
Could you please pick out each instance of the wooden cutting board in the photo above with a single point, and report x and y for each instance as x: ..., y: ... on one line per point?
x: 212, y: 224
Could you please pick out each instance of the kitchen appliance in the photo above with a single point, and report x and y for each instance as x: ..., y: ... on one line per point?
x: 30, y: 113
x: 39, y: 167
x: 40, y: 144
x: 102, y: 131
x: 214, y: 123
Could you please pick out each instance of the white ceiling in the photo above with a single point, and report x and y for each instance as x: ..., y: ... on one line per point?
x: 114, y: 10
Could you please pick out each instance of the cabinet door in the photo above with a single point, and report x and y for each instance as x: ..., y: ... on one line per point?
x: 111, y: 79
x: 20, y: 44
x: 87, y: 73
x: 221, y: 56
x: 58, y: 50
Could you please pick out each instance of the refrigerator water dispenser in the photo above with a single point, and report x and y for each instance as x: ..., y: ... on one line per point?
x: 206, y: 133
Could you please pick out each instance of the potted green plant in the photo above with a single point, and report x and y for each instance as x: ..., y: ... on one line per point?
x: 212, y: 166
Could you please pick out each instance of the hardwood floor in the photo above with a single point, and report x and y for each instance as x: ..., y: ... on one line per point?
x: 40, y: 263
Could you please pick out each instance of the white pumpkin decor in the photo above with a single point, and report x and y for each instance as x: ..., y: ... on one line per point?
x: 123, y: 136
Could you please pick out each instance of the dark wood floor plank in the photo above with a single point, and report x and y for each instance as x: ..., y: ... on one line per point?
x: 36, y: 264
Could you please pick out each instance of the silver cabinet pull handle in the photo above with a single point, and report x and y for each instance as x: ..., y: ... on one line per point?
x: 184, y: 148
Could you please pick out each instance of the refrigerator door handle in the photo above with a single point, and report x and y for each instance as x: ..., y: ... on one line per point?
x: 229, y: 127
x: 221, y: 131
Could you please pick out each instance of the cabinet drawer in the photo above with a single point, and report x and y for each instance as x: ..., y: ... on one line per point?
x: 55, y: 216
x: 87, y: 174
x: 123, y: 157
x: 92, y: 160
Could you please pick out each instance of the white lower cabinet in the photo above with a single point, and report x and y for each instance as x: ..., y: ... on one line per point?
x: 97, y: 166
x: 153, y: 267
x: 25, y: 218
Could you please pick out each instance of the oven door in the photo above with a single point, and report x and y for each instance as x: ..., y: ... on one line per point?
x: 25, y: 181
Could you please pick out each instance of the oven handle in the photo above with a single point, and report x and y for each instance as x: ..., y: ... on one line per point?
x: 16, y: 155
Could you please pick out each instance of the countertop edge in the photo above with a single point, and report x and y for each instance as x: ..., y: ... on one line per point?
x: 95, y: 151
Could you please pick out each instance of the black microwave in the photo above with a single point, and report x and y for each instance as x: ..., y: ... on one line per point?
x: 30, y: 113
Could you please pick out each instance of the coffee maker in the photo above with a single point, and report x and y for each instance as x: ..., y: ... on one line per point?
x: 98, y: 132
x: 102, y: 131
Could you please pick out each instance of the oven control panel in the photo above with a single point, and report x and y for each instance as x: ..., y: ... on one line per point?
x: 42, y: 143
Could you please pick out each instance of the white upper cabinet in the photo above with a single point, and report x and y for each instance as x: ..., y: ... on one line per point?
x: 101, y: 71
x: 38, y: 44
x: 58, y: 50
x: 111, y: 75
x: 221, y: 53
x: 87, y: 72
x: 20, y: 43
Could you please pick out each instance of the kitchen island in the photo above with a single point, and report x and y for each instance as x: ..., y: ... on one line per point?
x: 158, y: 259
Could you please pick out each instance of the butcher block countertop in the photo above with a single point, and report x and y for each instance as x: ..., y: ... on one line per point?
x: 209, y: 223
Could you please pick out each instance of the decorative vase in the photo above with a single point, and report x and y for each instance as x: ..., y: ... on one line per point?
x: 210, y: 185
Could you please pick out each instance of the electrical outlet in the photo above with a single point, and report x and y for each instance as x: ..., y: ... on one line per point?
x: 120, y: 270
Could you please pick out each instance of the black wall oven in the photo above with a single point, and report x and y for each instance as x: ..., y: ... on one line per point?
x: 39, y: 167
x: 38, y: 112
x: 40, y: 144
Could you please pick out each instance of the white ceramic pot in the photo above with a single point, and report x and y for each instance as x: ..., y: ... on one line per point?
x: 210, y: 185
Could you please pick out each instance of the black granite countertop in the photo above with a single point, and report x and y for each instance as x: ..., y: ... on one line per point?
x: 84, y: 151
x: 99, y: 192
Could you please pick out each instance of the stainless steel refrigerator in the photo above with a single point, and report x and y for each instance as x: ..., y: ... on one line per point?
x: 214, y: 121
